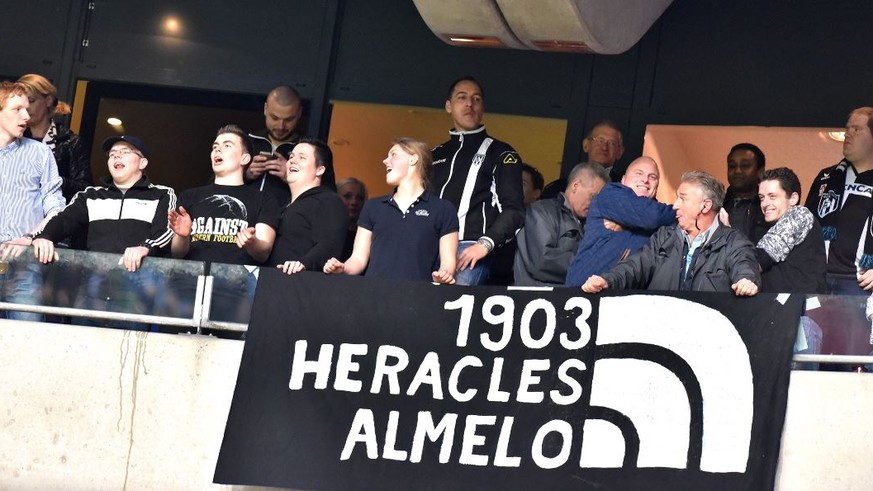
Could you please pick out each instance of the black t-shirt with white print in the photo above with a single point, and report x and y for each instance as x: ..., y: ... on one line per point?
x: 218, y: 213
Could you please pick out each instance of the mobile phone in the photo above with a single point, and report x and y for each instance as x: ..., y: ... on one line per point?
x: 266, y: 154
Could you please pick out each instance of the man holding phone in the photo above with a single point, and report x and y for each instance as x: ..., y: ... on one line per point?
x: 283, y: 111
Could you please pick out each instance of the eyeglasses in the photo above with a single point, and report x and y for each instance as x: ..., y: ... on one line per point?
x: 124, y: 152
x: 612, y: 144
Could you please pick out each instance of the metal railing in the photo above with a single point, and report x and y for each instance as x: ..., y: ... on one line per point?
x: 201, y: 297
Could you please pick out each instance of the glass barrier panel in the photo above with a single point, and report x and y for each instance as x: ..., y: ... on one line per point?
x: 97, y: 282
x: 837, y: 325
x: 233, y: 290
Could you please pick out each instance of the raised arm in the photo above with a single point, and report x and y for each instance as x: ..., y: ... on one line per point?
x: 180, y: 224
x: 622, y: 206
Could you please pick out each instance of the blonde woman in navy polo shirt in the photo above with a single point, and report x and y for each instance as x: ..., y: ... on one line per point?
x: 411, y: 234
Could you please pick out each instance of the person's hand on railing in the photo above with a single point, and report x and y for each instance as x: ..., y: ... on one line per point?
x: 13, y: 248
x: 594, y: 284
x: 132, y: 258
x: 333, y: 265
x: 745, y: 288
x: 443, y: 277
x: 291, y: 267
x: 44, y: 250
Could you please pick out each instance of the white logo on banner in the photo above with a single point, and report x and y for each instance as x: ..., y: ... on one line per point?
x: 647, y: 393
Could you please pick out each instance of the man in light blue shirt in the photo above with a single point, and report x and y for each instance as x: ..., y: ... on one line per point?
x: 30, y: 193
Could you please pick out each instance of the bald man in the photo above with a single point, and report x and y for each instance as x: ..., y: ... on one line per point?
x: 621, y: 219
x: 283, y: 111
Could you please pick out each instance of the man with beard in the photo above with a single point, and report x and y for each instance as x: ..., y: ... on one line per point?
x: 283, y: 112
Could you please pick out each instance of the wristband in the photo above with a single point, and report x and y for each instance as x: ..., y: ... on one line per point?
x: 486, y: 243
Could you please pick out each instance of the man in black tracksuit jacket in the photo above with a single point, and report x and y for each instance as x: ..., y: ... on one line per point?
x: 126, y: 215
x: 481, y: 176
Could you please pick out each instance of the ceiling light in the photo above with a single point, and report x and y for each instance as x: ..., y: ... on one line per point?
x: 172, y: 25
x: 837, y: 136
x: 475, y: 41
x: 114, y: 122
x: 563, y: 46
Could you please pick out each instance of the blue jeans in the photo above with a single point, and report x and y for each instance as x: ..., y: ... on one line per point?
x: 117, y: 291
x: 843, y: 285
x: 22, y: 284
x: 477, y: 275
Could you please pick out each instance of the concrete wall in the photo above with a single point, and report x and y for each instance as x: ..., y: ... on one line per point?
x: 90, y: 408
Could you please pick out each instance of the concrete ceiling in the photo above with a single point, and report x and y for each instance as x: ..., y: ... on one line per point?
x: 586, y: 26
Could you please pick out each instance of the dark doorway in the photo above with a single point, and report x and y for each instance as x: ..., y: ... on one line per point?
x: 178, y: 126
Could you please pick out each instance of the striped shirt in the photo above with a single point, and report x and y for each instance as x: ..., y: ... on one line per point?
x: 30, y: 187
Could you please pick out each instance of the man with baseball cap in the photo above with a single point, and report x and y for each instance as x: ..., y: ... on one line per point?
x: 126, y: 214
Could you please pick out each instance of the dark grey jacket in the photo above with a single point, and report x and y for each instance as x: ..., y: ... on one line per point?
x: 725, y: 259
x: 547, y: 243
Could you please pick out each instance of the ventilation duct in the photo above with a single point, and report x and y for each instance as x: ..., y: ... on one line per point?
x: 584, y: 26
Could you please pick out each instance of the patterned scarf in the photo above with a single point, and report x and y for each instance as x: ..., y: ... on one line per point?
x: 789, y: 231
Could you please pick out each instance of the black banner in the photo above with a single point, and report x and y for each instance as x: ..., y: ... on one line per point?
x: 358, y: 384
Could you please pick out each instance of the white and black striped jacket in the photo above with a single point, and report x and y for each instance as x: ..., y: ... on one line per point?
x: 481, y: 176
x: 115, y: 220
